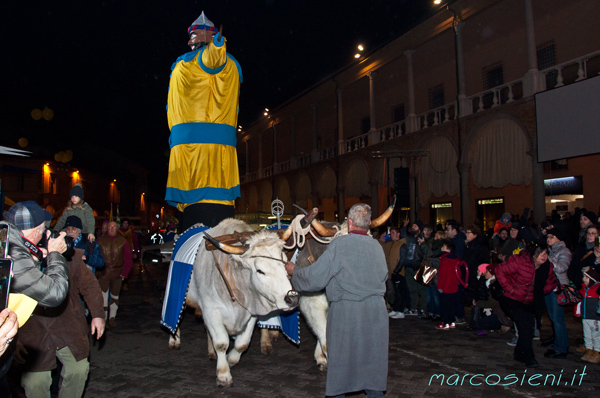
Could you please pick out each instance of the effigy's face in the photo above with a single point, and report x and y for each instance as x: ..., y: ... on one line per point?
x: 199, y: 36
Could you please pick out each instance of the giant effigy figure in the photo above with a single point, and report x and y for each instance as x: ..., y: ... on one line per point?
x: 202, y: 111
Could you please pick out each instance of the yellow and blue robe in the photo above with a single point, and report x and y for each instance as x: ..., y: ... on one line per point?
x: 202, y: 111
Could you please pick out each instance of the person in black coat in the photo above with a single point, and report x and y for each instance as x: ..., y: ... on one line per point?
x: 477, y: 251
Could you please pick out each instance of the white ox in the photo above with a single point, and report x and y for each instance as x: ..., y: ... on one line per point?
x: 258, y: 281
x: 314, y: 306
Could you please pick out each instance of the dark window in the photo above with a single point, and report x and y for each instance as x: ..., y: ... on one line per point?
x: 365, y: 124
x: 559, y: 164
x: 436, y: 96
x: 546, y: 55
x: 398, y: 113
x: 546, y: 58
x: 493, y: 76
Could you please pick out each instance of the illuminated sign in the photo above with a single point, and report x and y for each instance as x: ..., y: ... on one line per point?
x: 493, y: 201
x: 441, y: 205
x: 564, y: 186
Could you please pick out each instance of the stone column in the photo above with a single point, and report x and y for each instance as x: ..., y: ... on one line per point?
x: 412, y: 189
x: 293, y: 131
x: 465, y: 106
x: 465, y: 198
x: 247, y: 157
x: 412, y: 123
x: 340, y: 116
x: 374, y: 199
x: 260, y: 155
x: 315, y: 146
x: 372, y: 100
x: 539, y: 191
x: 274, y: 145
x: 341, y: 204
x: 533, y: 81
x: 374, y: 134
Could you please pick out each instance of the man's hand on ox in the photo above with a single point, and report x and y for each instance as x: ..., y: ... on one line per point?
x: 98, y: 326
x: 57, y: 244
x: 289, y: 267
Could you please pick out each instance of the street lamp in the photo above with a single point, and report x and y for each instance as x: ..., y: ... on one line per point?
x: 360, y: 48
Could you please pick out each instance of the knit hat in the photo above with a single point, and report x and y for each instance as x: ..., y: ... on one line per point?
x: 557, y: 233
x: 508, y: 216
x: 419, y: 224
x: 590, y: 215
x: 77, y: 190
x: 202, y: 23
x: 593, y: 275
x: 482, y: 268
x: 515, y: 225
x: 74, y: 221
x: 27, y: 215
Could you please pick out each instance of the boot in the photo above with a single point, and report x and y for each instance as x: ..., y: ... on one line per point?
x: 581, y: 348
x: 594, y: 357
x: 586, y: 357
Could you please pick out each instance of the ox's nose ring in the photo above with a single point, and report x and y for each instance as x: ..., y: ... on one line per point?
x: 291, y: 298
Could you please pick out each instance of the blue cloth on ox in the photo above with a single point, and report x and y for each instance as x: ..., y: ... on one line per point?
x: 180, y: 271
x: 286, y: 321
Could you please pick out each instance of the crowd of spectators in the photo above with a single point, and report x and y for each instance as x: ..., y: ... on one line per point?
x: 510, y: 276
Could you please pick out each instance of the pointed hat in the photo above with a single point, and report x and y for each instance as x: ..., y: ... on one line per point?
x: 202, y: 23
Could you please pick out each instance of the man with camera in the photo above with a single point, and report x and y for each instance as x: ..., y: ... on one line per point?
x: 40, y: 273
x: 62, y: 332
x: 27, y: 222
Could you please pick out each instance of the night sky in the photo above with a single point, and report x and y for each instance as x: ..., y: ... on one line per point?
x: 103, y: 66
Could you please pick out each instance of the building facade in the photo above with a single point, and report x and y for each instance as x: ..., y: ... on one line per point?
x: 444, y: 116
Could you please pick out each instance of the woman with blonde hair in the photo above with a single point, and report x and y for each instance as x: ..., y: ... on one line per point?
x: 77, y: 207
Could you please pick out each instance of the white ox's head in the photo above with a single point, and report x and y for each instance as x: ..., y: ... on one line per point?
x: 266, y: 261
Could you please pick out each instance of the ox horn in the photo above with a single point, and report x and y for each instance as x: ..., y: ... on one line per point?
x: 224, y: 246
x: 308, y: 217
x: 323, y: 230
x: 386, y: 214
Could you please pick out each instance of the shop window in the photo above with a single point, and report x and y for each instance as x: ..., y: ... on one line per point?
x: 488, y: 211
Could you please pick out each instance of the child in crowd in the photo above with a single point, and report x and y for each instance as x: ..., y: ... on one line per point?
x: 77, y: 207
x: 586, y: 309
x: 448, y: 280
x: 487, y: 314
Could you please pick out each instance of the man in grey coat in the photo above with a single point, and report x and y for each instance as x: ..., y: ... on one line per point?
x: 353, y: 272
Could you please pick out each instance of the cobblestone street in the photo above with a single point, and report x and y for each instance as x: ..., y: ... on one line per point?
x: 133, y: 359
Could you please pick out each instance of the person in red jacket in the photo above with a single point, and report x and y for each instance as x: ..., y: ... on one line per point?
x: 526, y: 278
x: 448, y: 281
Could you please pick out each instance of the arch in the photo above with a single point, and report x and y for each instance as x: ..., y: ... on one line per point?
x: 252, y: 197
x: 437, y: 172
x: 498, y: 152
x: 327, y: 183
x: 356, y: 179
x: 284, y: 194
x: 266, y: 195
x: 302, y: 189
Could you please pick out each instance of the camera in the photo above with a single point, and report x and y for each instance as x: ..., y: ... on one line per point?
x: 53, y: 235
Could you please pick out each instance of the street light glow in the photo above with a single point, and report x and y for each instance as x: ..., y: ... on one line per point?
x: 360, y: 47
x: 436, y: 2
x: 356, y: 55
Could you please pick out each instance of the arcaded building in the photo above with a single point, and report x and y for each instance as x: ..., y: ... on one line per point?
x: 444, y: 116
